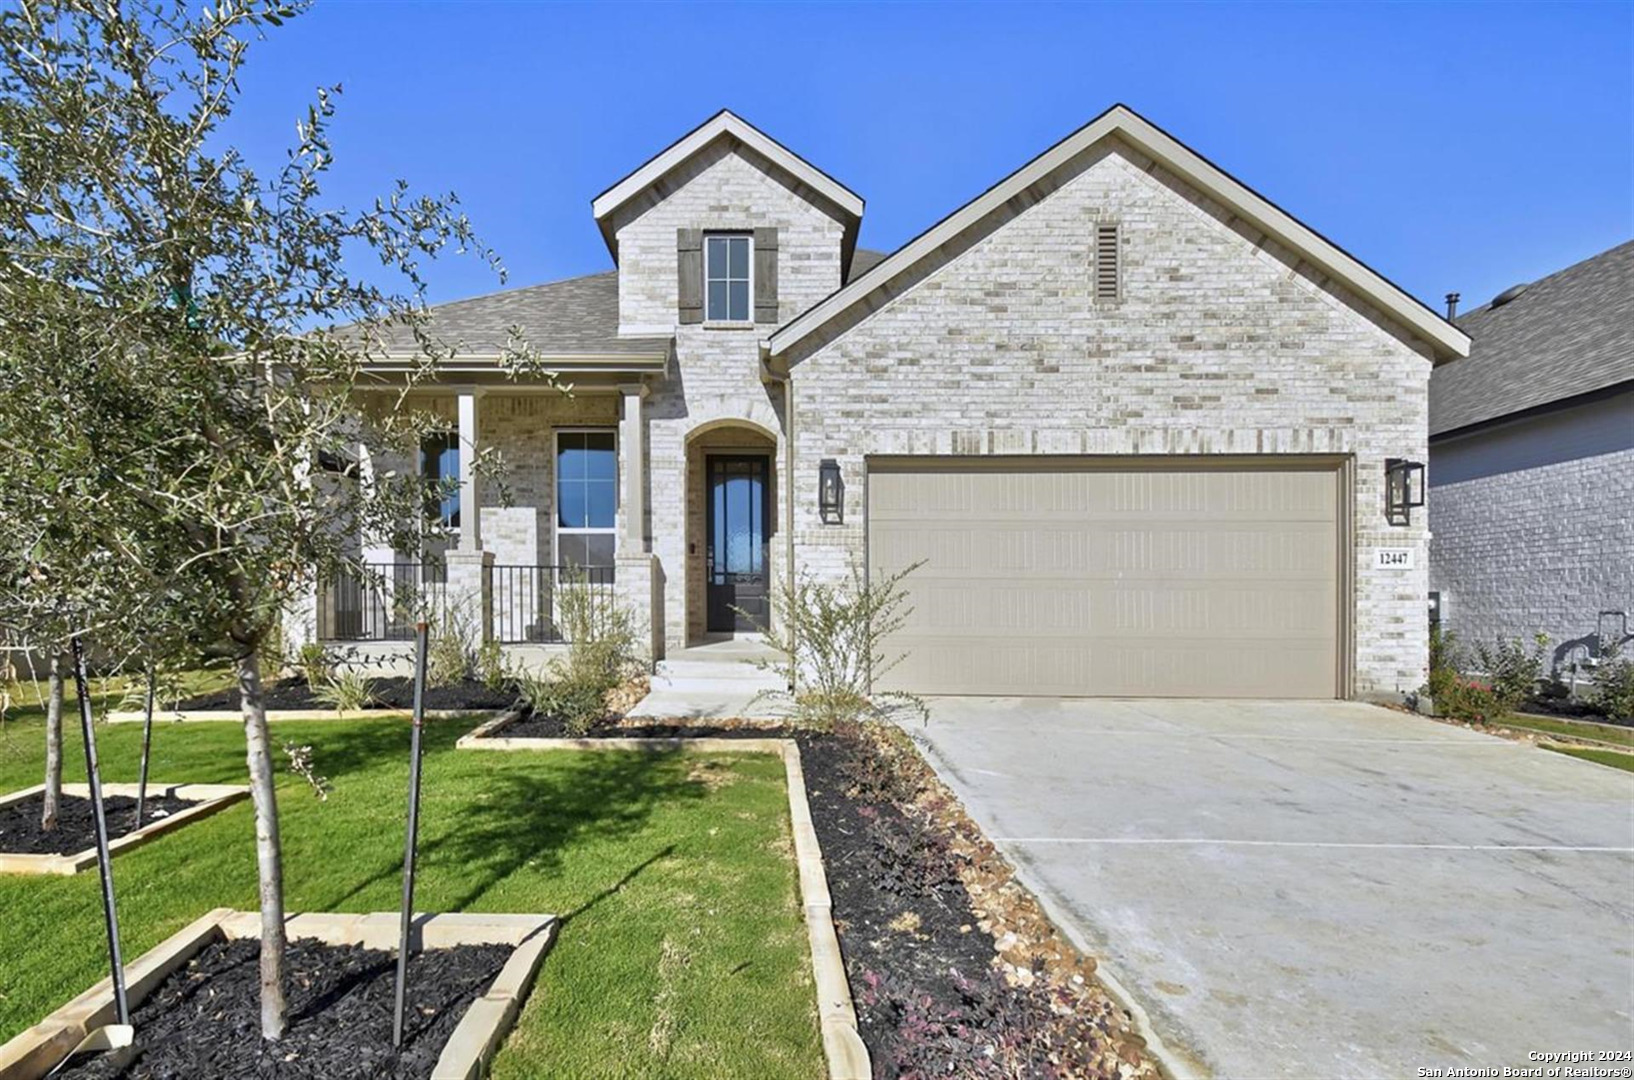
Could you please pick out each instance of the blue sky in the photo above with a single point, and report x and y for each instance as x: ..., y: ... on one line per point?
x: 1450, y: 146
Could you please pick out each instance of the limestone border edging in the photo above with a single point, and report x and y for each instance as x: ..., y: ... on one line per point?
x: 836, y: 1015
x: 213, y: 798
x: 466, y: 1056
x: 233, y: 716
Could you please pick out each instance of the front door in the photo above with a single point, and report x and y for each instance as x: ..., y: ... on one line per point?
x: 736, y: 557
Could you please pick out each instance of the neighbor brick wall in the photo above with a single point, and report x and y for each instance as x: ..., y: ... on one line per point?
x: 1532, y: 530
x: 1217, y: 347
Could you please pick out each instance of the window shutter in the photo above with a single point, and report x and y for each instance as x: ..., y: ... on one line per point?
x: 689, y: 263
x: 1106, y: 262
x: 766, y: 275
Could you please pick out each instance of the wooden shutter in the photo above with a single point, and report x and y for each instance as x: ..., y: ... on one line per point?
x: 766, y: 275
x: 689, y: 266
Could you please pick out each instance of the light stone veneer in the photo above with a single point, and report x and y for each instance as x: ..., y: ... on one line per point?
x: 1216, y: 347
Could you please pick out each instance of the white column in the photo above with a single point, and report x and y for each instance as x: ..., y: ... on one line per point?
x: 633, y: 469
x: 470, y: 505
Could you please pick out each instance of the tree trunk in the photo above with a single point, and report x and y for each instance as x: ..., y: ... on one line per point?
x: 268, y: 853
x: 53, y: 746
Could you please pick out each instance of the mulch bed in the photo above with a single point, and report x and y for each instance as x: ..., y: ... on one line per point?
x: 954, y: 968
x: 204, y: 1020
x: 20, y: 832
x: 396, y: 692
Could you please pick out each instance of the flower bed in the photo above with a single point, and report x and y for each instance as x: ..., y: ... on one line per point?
x: 953, y: 967
x: 396, y: 692
x: 71, y: 847
x: 196, y: 1004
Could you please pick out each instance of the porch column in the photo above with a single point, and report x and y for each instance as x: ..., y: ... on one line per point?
x: 469, y: 589
x: 470, y: 495
x: 633, y: 465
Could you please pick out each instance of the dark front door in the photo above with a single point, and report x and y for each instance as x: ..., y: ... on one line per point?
x: 739, y: 512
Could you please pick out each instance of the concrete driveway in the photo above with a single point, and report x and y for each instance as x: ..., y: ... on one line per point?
x: 1315, y: 890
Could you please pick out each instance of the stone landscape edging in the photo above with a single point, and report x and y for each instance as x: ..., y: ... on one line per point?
x: 213, y: 798
x: 843, y: 1047
x: 466, y: 1056
x: 126, y: 716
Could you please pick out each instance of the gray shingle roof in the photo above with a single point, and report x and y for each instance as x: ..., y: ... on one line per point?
x: 574, y: 317
x: 1567, y: 334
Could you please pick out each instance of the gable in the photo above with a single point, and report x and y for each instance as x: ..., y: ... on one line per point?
x: 1264, y: 226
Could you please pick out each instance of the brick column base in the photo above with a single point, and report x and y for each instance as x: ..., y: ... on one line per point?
x: 468, y: 597
x: 638, y: 588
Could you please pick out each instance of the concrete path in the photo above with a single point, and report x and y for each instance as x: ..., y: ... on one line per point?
x: 1316, y: 890
x: 716, y: 680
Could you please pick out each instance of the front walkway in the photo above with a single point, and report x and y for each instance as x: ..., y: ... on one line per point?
x: 1321, y: 889
x: 716, y: 680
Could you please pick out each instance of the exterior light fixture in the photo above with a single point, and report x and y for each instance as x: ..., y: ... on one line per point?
x: 830, y: 492
x: 1403, y: 489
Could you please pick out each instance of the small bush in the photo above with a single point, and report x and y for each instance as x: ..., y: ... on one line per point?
x: 491, y: 666
x: 449, y: 660
x: 1456, y: 695
x: 1513, y: 670
x: 603, y: 650
x: 579, y: 706
x: 346, y: 691
x: 832, y: 640
x: 314, y: 663
x: 1613, y: 692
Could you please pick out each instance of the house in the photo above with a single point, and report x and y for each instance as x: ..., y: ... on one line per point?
x: 1532, y: 463
x: 1134, y: 420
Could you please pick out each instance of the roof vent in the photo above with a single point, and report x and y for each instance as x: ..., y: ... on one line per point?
x: 1508, y: 294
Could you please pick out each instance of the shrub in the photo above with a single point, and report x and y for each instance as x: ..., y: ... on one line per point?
x: 345, y: 691
x: 832, y: 640
x: 1513, y: 669
x: 491, y: 666
x: 1455, y: 694
x: 314, y: 663
x: 603, y: 650
x: 579, y: 706
x: 1613, y: 692
x: 449, y: 660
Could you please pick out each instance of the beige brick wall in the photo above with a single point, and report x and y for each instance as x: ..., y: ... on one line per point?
x: 714, y: 388
x: 1217, y: 346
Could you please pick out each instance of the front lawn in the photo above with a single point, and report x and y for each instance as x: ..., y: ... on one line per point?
x: 684, y: 952
x: 1572, y: 729
x: 1616, y: 759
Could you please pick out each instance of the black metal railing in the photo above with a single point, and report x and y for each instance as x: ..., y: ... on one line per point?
x: 381, y: 601
x: 528, y: 603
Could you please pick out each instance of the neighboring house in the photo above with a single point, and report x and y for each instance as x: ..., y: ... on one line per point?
x: 1532, y: 463
x: 1133, y: 418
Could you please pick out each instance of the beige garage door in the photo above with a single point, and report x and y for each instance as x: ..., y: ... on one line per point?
x: 1134, y: 577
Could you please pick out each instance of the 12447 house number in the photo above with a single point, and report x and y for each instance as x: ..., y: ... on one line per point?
x: 1393, y: 558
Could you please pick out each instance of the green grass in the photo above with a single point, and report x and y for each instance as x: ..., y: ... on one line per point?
x: 1614, y: 758
x: 683, y: 952
x: 1572, y: 729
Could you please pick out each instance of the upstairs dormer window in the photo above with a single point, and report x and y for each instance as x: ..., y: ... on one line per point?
x: 727, y: 289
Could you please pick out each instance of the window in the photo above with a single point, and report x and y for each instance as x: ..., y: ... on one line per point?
x: 1106, y: 262
x: 440, y: 467
x: 586, y: 500
x: 726, y: 278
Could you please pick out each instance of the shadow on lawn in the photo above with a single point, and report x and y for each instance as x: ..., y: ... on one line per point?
x: 529, y: 817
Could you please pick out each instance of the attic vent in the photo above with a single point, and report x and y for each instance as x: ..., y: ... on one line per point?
x: 1508, y: 294
x: 1106, y: 262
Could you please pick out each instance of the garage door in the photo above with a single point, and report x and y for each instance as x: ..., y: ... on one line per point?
x: 1129, y: 577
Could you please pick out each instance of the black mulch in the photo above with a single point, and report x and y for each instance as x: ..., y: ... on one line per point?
x: 20, y: 832
x: 900, y: 908
x: 203, y: 1022
x: 389, y: 693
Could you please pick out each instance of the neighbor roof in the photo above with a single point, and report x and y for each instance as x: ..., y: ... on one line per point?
x: 725, y: 125
x: 1568, y: 334
x: 1443, y: 338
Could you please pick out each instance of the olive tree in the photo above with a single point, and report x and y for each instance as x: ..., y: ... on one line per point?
x: 183, y: 340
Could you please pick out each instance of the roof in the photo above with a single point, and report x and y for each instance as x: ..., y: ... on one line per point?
x: 725, y: 125
x: 1442, y: 338
x: 572, y: 319
x: 575, y: 318
x: 1565, y: 335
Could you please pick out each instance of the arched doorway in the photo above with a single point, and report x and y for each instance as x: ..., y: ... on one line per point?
x: 732, y: 518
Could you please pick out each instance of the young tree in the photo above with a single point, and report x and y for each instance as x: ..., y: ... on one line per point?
x: 182, y: 346
x: 53, y: 745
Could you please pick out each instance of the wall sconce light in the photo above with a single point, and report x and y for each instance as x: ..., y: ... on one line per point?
x: 830, y: 492
x: 1403, y: 489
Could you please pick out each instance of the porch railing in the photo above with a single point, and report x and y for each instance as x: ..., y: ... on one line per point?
x: 381, y: 601
x: 527, y: 601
